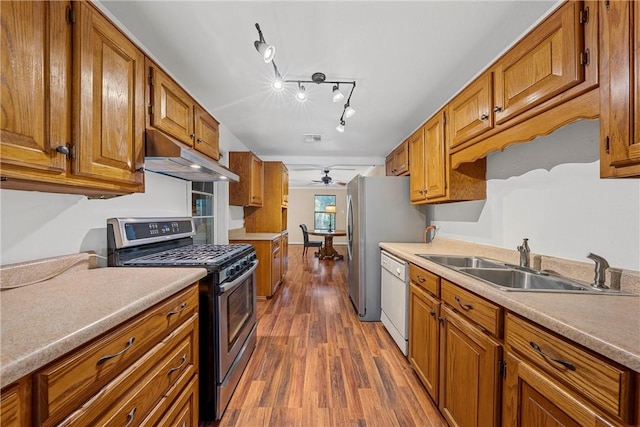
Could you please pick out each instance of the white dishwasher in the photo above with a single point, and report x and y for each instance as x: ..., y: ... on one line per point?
x: 394, y: 298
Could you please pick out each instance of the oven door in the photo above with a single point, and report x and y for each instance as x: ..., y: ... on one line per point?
x: 236, y: 307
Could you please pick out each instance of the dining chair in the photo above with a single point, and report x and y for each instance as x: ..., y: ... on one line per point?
x: 309, y: 243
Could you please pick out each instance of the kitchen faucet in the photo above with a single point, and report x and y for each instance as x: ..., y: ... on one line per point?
x: 524, y: 253
x: 601, y: 267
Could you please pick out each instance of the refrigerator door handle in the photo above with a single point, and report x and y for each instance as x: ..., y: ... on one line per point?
x: 349, y: 222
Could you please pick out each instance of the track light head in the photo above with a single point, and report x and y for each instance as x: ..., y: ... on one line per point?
x: 267, y: 51
x: 340, y: 127
x: 337, y: 95
x: 349, y: 111
x: 277, y: 85
x: 301, y: 95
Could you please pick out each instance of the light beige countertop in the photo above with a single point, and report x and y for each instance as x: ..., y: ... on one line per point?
x: 606, y: 324
x: 44, y: 320
x: 241, y: 235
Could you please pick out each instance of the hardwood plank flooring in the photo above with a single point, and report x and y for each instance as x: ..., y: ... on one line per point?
x: 316, y: 364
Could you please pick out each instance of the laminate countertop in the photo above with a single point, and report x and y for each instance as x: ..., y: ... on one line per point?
x: 52, y: 316
x: 606, y: 324
x: 253, y: 236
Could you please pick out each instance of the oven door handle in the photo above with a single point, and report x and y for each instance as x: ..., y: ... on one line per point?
x: 237, y: 282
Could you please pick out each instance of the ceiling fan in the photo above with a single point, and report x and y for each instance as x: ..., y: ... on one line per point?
x: 326, y: 179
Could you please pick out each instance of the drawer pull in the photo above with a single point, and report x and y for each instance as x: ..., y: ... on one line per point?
x: 130, y: 416
x: 181, y: 309
x: 111, y: 356
x: 421, y: 279
x: 182, y: 362
x: 465, y: 306
x: 432, y: 313
x: 564, y: 363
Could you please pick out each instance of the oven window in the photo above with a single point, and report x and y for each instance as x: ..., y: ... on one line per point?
x: 239, y: 311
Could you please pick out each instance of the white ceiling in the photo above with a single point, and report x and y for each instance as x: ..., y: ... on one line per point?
x: 408, y: 58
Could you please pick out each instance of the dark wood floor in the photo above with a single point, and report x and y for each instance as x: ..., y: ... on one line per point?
x: 316, y: 364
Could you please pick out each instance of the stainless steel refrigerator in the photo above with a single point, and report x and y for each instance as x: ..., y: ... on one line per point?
x: 378, y: 210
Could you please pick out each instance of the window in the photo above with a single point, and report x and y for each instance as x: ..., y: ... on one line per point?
x: 202, y: 211
x: 323, y: 220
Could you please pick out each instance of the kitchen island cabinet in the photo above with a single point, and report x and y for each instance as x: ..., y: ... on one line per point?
x: 59, y: 134
x: 271, y: 258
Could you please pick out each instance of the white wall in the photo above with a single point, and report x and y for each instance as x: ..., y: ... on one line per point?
x: 38, y: 225
x: 549, y: 190
x: 300, y: 211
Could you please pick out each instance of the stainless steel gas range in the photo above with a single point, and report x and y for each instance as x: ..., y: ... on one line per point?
x: 227, y: 310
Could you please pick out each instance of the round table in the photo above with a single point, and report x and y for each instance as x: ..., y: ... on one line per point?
x: 328, y: 250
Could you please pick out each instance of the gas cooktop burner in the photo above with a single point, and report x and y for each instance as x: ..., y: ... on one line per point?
x: 194, y: 255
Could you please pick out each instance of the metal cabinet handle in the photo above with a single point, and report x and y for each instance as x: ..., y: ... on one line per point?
x: 497, y: 109
x: 465, y: 306
x: 421, y: 279
x: 181, y: 309
x: 63, y: 149
x: 484, y: 117
x: 111, y: 356
x: 564, y: 363
x: 193, y: 135
x: 199, y: 140
x: 432, y: 313
x: 182, y: 362
x: 130, y: 416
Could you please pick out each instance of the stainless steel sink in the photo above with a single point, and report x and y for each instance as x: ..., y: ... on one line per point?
x: 458, y: 261
x: 508, y: 277
x: 522, y: 280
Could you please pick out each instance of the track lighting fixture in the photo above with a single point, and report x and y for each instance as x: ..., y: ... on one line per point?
x: 268, y: 51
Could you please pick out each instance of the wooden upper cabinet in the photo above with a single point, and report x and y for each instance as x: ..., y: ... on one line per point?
x: 397, y: 162
x: 249, y: 191
x: 37, y: 38
x: 436, y: 162
x: 620, y: 89
x: 285, y: 186
x: 542, y: 65
x: 207, y: 133
x: 109, y: 100
x: 172, y: 108
x: 417, y: 165
x: 470, y: 112
x: 91, y: 144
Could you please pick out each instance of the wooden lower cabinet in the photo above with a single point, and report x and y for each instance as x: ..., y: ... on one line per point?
x: 469, y: 380
x: 15, y: 404
x: 132, y: 372
x: 284, y: 254
x: 533, y: 399
x: 270, y: 271
x: 424, y: 334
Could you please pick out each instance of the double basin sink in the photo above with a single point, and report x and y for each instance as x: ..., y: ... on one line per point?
x: 514, y: 278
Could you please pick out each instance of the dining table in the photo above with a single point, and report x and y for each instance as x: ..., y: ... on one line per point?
x: 328, y: 251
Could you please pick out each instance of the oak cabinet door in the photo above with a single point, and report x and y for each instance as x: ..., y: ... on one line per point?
x: 173, y: 108
x: 436, y: 161
x: 417, y: 173
x: 469, y: 386
x: 620, y: 91
x: 534, y: 400
x: 207, y: 136
x: 109, y: 101
x: 470, y: 112
x: 545, y: 63
x: 424, y: 334
x: 36, y: 84
x: 257, y: 181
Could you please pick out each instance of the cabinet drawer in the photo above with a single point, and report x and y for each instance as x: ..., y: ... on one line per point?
x: 602, y: 382
x: 183, y: 412
x: 484, y: 313
x: 134, y: 392
x: 426, y: 280
x: 66, y: 383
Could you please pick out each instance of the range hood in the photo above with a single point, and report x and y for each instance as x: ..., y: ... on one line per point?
x: 168, y: 156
